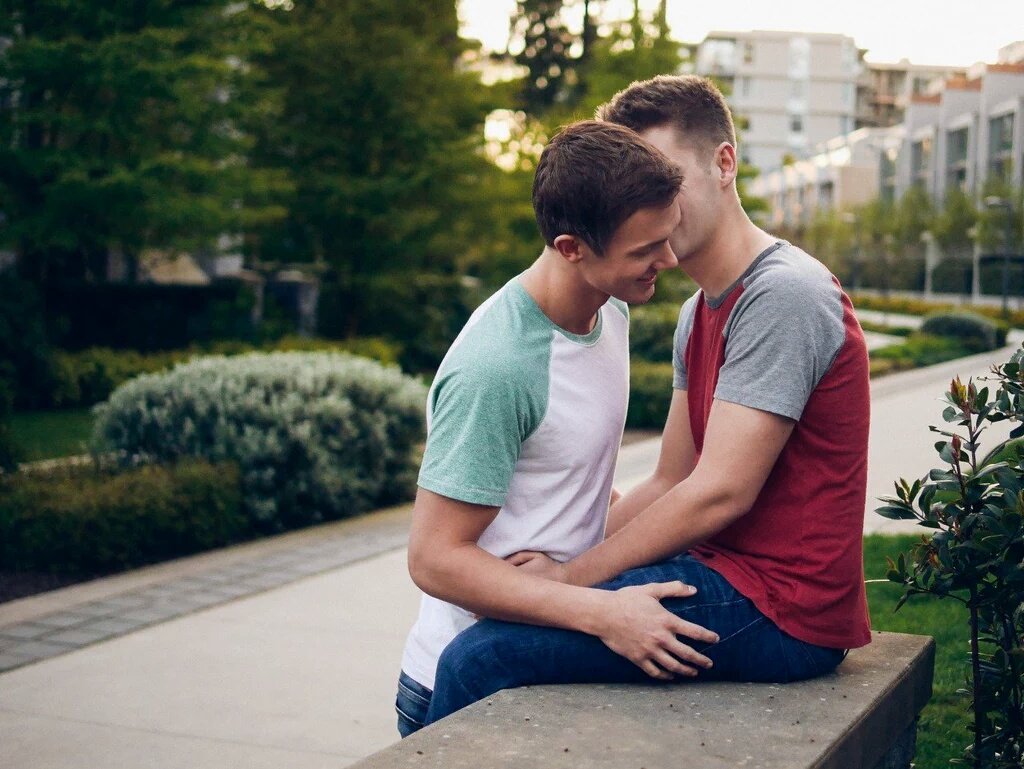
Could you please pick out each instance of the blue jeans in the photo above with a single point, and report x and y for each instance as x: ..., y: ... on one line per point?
x: 411, y: 703
x: 493, y: 655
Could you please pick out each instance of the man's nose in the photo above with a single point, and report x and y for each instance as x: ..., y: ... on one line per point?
x: 667, y: 259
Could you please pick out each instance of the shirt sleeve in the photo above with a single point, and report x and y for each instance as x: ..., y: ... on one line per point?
x: 480, y: 416
x: 781, y: 339
x: 680, y: 338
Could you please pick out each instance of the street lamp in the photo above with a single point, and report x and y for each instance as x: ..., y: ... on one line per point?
x: 996, y: 202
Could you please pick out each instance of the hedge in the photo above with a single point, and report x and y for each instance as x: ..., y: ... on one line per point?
x: 975, y: 331
x: 650, y: 393
x: 317, y: 436
x: 908, y: 306
x: 86, y: 521
x: 651, y: 330
x: 89, y: 376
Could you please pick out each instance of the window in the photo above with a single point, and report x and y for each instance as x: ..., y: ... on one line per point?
x: 921, y: 162
x: 1000, y: 147
x: 887, y: 172
x: 796, y: 124
x: 748, y: 53
x: 826, y: 195
x: 797, y: 89
x: 956, y: 159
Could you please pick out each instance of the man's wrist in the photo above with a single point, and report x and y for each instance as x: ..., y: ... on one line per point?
x: 594, y: 612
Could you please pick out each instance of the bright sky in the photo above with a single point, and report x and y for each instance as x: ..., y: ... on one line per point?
x: 950, y: 32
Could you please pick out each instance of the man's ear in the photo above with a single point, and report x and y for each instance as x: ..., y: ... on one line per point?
x: 570, y: 247
x: 726, y: 163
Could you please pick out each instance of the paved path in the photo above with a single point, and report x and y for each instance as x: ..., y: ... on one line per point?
x: 282, y: 653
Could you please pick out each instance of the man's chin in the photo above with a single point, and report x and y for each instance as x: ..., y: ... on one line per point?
x: 643, y: 296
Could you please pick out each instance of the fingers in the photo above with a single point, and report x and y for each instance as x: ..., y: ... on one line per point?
x: 682, y: 627
x: 653, y: 670
x: 680, y: 651
x: 669, y: 663
x: 523, y: 556
x: 674, y: 589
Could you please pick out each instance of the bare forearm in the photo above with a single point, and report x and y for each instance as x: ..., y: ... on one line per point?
x: 636, y: 501
x: 479, y: 582
x: 687, y: 515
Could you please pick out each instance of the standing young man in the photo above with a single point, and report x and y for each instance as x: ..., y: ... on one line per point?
x: 758, y: 496
x: 526, y: 412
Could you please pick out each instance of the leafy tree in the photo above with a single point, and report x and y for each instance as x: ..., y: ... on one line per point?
x: 380, y: 130
x: 121, y: 129
x: 953, y: 223
x: 547, y: 54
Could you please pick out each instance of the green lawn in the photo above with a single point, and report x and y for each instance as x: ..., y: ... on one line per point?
x: 942, y: 732
x: 49, y: 434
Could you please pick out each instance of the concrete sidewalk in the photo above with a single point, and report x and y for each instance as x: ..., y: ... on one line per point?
x: 284, y: 653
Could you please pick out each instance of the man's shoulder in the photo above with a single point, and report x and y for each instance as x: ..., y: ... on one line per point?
x: 789, y: 271
x: 503, y: 342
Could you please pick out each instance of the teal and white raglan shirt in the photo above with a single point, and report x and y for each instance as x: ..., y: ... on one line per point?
x: 526, y: 417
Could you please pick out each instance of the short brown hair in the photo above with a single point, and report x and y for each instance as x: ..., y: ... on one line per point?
x: 592, y: 176
x: 692, y: 104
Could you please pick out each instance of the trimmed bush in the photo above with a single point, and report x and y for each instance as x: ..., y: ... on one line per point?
x: 650, y: 393
x: 974, y: 330
x: 84, y: 521
x: 89, y: 376
x: 921, y: 350
x: 906, y: 306
x: 317, y: 436
x: 651, y: 329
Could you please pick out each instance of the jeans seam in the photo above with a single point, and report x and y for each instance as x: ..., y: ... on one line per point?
x: 406, y: 716
x: 717, y: 605
x: 743, y: 629
x: 403, y: 688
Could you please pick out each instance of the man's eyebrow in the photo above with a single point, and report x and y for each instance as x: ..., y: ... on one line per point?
x: 646, y: 246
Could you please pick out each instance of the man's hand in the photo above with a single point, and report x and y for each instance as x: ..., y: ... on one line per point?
x: 643, y: 631
x: 540, y: 564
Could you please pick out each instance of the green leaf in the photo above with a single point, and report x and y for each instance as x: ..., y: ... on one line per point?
x: 896, y: 512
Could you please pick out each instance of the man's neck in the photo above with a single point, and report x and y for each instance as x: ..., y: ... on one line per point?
x: 556, y: 288
x: 733, y: 248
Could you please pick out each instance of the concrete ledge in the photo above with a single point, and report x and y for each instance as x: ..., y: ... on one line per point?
x: 847, y: 720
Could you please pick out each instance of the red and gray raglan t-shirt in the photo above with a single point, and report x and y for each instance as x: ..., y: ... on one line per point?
x: 784, y: 339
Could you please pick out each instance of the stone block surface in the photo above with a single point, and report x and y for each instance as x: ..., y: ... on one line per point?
x: 847, y: 720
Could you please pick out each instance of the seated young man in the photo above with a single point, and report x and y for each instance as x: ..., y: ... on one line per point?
x: 759, y: 492
x: 525, y: 416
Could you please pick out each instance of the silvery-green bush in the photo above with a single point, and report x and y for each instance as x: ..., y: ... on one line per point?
x: 317, y: 436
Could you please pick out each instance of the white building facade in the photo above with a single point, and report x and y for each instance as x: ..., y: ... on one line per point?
x: 793, y: 90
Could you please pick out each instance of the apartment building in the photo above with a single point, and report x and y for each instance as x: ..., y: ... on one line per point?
x: 885, y: 90
x: 961, y: 132
x: 969, y: 134
x: 792, y: 90
x: 844, y: 172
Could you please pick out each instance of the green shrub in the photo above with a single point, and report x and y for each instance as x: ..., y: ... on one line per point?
x: 976, y: 331
x: 84, y: 521
x: 650, y: 393
x: 89, y: 376
x: 317, y: 435
x: 651, y: 329
x: 905, y: 306
x: 923, y: 350
x: 882, y: 328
